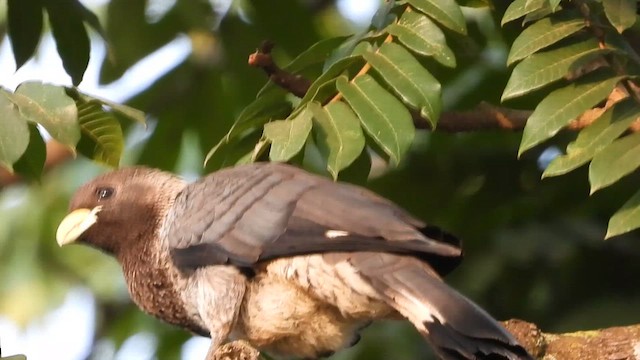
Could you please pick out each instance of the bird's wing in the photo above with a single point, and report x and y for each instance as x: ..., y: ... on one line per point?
x: 258, y: 212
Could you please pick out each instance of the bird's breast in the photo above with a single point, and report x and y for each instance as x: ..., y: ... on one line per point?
x: 299, y: 307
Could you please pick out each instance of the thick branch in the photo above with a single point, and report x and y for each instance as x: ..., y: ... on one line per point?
x: 619, y: 343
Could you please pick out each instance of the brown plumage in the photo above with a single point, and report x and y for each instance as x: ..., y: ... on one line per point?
x: 292, y: 262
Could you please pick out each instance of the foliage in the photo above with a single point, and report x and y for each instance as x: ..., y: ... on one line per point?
x: 574, y: 64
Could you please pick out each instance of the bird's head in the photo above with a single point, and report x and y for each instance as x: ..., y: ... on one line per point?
x: 119, y: 209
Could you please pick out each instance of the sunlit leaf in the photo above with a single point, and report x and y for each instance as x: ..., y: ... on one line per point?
x: 621, y: 13
x: 383, y: 116
x: 339, y: 135
x: 591, y: 140
x: 627, y: 218
x: 24, y: 28
x: 615, y: 161
x: 287, y: 137
x: 563, y: 105
x: 520, y: 8
x: 546, y: 67
x: 409, y: 79
x: 543, y: 33
x: 420, y: 34
x: 14, y: 132
x: 49, y: 106
x: 446, y: 12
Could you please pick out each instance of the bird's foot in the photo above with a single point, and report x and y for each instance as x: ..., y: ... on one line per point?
x: 235, y: 350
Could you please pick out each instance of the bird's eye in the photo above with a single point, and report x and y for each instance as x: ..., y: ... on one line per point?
x: 104, y: 193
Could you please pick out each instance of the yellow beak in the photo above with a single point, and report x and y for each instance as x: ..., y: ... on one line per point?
x: 75, y: 224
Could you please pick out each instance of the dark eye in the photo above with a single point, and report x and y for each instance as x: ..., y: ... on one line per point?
x: 104, y: 193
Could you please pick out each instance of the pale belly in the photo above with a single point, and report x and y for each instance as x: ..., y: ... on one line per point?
x: 285, y: 312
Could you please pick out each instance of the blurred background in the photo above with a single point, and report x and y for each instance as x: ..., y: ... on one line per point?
x: 534, y: 249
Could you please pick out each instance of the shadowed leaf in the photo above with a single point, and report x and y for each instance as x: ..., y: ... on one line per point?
x: 71, y: 36
x: 25, y: 27
x: 102, y: 139
x: 31, y: 163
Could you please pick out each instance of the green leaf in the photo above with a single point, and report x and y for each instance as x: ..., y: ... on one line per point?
x: 124, y: 110
x: 615, y: 161
x: 270, y: 105
x: 383, y: 116
x: 71, y: 36
x: 446, y: 12
x: 420, y: 34
x: 102, y: 139
x: 546, y: 67
x: 323, y: 81
x: 621, y: 13
x: 31, y: 163
x: 543, y: 33
x: 383, y: 15
x: 409, y: 79
x: 90, y: 18
x: 287, y: 137
x: 25, y: 27
x: 49, y: 106
x: 563, y: 105
x: 14, y: 132
x: 339, y: 135
x: 520, y: 8
x: 627, y: 218
x: 591, y: 140
x: 316, y: 54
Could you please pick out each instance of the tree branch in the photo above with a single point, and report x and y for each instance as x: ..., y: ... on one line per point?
x: 483, y: 117
x: 619, y: 343
x: 295, y: 84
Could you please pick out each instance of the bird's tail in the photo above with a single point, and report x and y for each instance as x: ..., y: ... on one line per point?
x: 455, y: 326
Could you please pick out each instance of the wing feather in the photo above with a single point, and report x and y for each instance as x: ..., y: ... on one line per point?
x: 258, y: 212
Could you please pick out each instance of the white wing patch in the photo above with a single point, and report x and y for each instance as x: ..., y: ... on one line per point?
x: 332, y: 234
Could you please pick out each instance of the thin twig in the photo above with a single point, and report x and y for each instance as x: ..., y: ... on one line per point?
x: 295, y: 84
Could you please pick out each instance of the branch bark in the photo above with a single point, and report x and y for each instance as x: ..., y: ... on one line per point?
x: 616, y: 343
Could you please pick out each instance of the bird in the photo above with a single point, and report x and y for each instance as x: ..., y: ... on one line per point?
x: 292, y: 262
